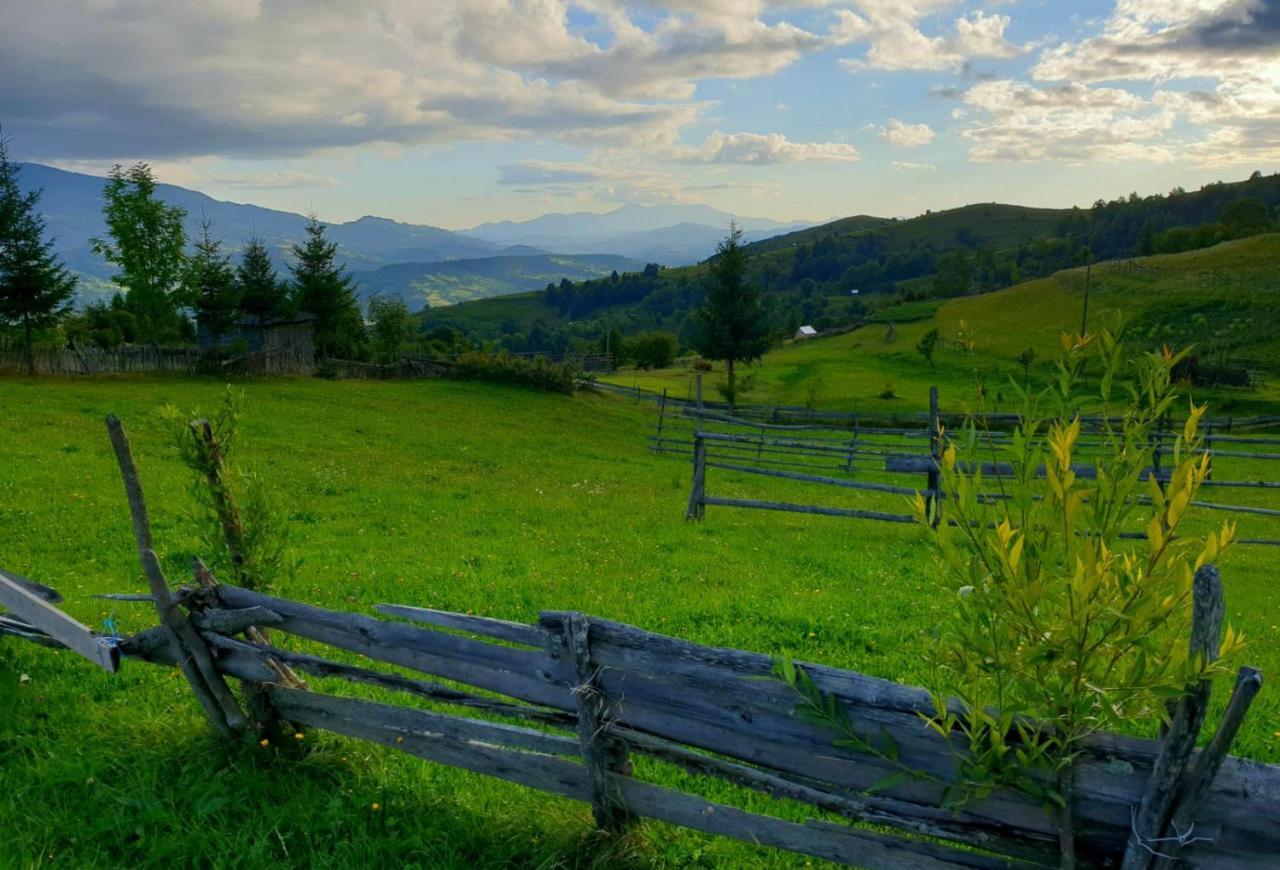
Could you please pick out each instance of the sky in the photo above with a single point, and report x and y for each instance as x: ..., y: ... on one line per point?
x: 457, y: 112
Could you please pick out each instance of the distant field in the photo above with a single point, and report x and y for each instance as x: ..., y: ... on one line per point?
x: 461, y: 496
x: 1231, y: 290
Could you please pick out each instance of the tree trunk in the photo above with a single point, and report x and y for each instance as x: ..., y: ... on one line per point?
x: 31, y: 345
x: 733, y: 389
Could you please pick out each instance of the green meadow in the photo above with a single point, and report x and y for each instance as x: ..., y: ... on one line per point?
x: 463, y: 496
x: 1224, y: 294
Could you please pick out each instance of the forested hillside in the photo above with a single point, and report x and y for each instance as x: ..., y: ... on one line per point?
x: 842, y: 273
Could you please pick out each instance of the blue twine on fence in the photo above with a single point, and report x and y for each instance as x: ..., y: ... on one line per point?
x: 110, y: 624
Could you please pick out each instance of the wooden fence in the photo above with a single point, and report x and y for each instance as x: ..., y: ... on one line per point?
x: 561, y: 705
x: 905, y: 461
x: 92, y: 360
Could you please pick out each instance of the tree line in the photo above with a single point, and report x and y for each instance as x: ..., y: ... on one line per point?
x: 175, y: 290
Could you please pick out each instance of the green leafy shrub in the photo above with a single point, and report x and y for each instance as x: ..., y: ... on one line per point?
x: 1063, y: 627
x: 244, y: 537
x: 503, y: 368
x: 1065, y: 623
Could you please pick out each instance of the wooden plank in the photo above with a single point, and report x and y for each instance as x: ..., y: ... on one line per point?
x: 549, y: 773
x: 500, y: 629
x: 37, y: 589
x: 529, y: 675
x: 814, y: 478
x: 18, y: 597
x: 316, y: 709
x: 249, y: 661
x: 808, y: 509
x: 938, y: 823
x: 913, y: 464
x: 738, y: 711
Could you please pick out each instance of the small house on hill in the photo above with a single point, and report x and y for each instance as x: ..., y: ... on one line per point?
x: 806, y: 332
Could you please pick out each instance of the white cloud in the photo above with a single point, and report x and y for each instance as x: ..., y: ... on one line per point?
x: 895, y: 41
x: 755, y: 149
x: 913, y: 167
x: 1074, y: 123
x: 249, y: 79
x: 1178, y: 45
x: 906, y: 135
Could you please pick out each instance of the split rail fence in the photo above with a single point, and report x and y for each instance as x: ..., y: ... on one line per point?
x: 564, y: 704
x: 865, y: 455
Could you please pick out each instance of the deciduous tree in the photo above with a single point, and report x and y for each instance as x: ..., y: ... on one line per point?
x: 147, y: 243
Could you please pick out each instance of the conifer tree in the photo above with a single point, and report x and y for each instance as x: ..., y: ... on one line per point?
x: 322, y: 289
x: 35, y: 288
x: 263, y: 295
x: 210, y: 286
x: 731, y: 321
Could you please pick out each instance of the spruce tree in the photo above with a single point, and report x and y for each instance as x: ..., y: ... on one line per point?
x: 210, y: 286
x: 148, y: 245
x: 322, y: 289
x: 731, y: 322
x: 263, y: 295
x: 35, y: 288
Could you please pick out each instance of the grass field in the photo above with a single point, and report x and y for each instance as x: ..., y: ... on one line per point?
x: 442, y: 494
x: 1228, y: 292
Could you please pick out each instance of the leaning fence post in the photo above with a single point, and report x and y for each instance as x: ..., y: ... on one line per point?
x: 696, y: 508
x: 603, y: 756
x: 192, y: 654
x: 1188, y: 717
x: 662, y: 415
x: 933, y: 502
x: 1195, y: 785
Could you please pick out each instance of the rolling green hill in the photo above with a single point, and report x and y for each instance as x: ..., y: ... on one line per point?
x: 1225, y: 300
x: 453, y: 281
x: 839, y: 274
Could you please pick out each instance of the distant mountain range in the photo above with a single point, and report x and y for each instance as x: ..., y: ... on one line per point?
x: 436, y: 284
x: 672, y: 235
x: 416, y: 262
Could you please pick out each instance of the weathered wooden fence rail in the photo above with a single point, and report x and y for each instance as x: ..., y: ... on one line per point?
x: 592, y: 691
x: 906, y: 460
x: 563, y: 704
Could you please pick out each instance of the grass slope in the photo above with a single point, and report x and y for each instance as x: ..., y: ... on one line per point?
x: 1229, y: 292
x: 440, y: 494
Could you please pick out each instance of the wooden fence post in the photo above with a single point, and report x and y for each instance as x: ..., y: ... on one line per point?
x: 1188, y: 717
x: 697, y: 379
x: 1208, y: 446
x: 853, y: 446
x: 933, y: 500
x: 193, y: 655
x: 603, y: 755
x: 696, y: 508
x: 662, y: 415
